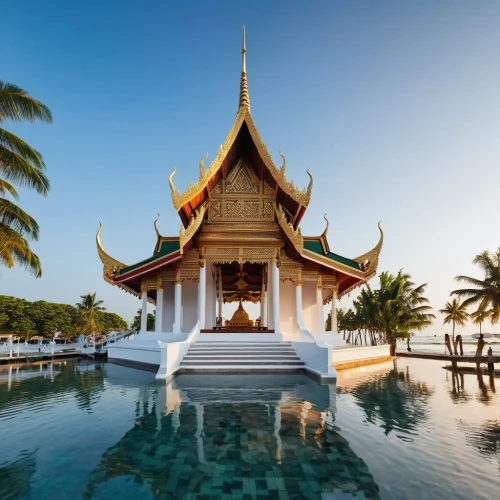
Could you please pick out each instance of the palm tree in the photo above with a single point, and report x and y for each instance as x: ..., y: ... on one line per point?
x: 23, y: 166
x: 479, y: 317
x: 456, y: 313
x: 397, y: 308
x: 486, y: 292
x: 87, y: 309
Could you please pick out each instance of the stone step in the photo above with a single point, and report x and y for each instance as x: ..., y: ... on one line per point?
x: 241, y: 344
x: 240, y: 358
x: 240, y: 369
x: 215, y: 346
x: 239, y: 351
x: 242, y: 353
x: 253, y: 362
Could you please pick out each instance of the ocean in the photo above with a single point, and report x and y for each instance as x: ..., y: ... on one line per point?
x: 435, y: 343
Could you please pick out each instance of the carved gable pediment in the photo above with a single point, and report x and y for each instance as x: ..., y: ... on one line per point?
x: 242, y: 180
x: 242, y: 195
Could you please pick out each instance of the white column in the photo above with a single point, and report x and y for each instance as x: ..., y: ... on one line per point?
x: 144, y: 313
x: 202, y: 291
x: 220, y: 294
x: 276, y: 297
x: 262, y: 302
x: 334, y: 311
x: 319, y: 305
x: 214, y: 299
x: 177, y: 307
x: 298, y: 301
x: 264, y: 317
x: 159, y: 310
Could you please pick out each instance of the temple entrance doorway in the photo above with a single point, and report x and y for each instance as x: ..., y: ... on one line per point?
x: 241, y: 297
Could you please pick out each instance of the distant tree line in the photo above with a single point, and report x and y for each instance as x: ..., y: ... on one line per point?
x: 28, y: 319
x: 386, y: 314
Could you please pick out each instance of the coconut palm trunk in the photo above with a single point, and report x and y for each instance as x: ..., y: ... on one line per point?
x: 392, y: 346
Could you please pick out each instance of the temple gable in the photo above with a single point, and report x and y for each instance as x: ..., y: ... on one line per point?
x: 242, y: 195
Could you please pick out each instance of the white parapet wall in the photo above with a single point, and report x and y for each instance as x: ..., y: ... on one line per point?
x: 172, y: 353
x: 142, y: 349
x: 359, y: 353
x: 316, y: 353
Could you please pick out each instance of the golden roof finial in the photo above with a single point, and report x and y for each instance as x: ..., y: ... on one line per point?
x: 202, y: 166
x: 310, y: 186
x: 111, y: 266
x: 171, y: 182
x: 369, y: 260
x: 325, y: 232
x: 156, y: 226
x: 244, y: 96
x: 283, y: 167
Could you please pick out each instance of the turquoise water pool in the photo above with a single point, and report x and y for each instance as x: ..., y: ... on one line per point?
x: 400, y: 430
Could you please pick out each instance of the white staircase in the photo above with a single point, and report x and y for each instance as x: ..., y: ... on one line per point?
x: 241, y: 356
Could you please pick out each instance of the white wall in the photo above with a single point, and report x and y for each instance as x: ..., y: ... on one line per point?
x: 357, y: 353
x: 168, y: 307
x: 288, y: 316
x: 189, y: 305
x: 309, y: 309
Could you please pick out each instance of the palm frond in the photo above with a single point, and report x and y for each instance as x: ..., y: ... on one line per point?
x: 469, y: 281
x: 20, y: 171
x: 21, y: 148
x: 18, y: 220
x: 16, y: 104
x: 14, y: 249
x: 8, y: 188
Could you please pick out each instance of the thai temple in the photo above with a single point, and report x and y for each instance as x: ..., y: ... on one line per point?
x: 240, y: 241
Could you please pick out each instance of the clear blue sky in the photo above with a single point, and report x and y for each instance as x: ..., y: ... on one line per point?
x: 393, y: 106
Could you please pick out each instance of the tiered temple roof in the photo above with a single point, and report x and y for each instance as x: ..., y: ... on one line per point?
x: 243, y: 145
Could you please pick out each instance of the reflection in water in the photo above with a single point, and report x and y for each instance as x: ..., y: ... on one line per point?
x: 236, y: 435
x: 29, y: 385
x: 15, y: 476
x: 485, y: 437
x: 458, y: 394
x: 485, y: 396
x: 268, y: 436
x: 394, y: 400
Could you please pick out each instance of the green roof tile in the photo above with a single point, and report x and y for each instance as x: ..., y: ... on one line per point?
x: 315, y: 246
x: 167, y: 247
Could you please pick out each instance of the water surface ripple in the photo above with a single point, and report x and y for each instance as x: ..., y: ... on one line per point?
x: 407, y: 429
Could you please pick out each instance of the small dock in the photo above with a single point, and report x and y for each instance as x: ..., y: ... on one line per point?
x: 466, y: 358
x: 34, y: 357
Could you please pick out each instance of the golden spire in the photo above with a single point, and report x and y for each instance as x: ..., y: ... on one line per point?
x: 244, y: 96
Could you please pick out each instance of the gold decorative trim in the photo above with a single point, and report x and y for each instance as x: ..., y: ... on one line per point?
x: 356, y: 285
x: 369, y: 260
x: 185, y: 234
x: 294, y: 235
x: 112, y: 267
